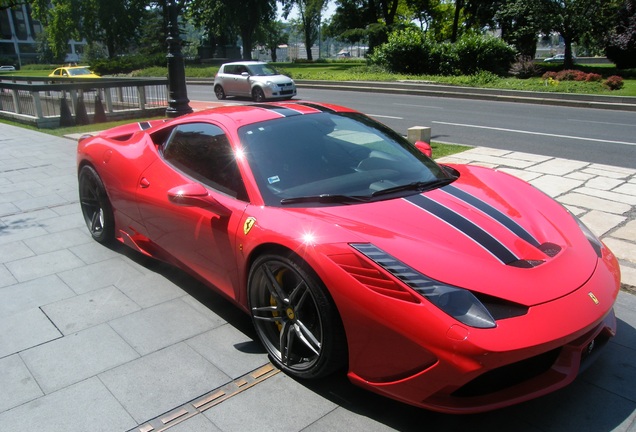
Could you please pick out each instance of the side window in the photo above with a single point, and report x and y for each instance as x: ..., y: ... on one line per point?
x: 203, y: 152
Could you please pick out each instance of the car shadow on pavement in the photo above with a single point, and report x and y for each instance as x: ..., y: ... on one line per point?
x: 601, y: 399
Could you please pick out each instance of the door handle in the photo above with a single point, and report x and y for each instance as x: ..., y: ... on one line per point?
x: 144, y: 183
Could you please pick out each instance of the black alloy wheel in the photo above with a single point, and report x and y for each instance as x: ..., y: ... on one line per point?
x: 295, y: 317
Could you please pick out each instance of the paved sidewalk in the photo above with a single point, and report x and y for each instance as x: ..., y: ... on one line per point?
x: 103, y: 339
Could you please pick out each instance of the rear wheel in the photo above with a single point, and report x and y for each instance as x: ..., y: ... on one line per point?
x: 219, y: 92
x: 295, y: 317
x: 258, y: 95
x: 96, y: 208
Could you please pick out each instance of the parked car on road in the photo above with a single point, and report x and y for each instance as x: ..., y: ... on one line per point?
x: 7, y: 68
x: 559, y: 58
x: 252, y: 79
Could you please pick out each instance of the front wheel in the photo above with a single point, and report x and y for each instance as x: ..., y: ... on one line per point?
x: 295, y: 318
x: 258, y: 95
x: 96, y: 208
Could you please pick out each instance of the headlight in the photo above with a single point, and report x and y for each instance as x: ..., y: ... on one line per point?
x: 459, y: 303
x: 591, y: 237
x: 271, y: 85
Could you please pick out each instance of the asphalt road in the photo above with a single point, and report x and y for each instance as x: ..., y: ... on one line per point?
x: 591, y: 135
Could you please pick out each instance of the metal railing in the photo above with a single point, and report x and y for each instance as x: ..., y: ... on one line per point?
x: 51, y: 102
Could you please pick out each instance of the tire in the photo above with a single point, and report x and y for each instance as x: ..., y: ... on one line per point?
x: 295, y: 318
x: 219, y: 92
x: 96, y: 208
x: 258, y: 95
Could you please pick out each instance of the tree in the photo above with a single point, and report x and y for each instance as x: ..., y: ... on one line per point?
x: 113, y: 23
x: 621, y: 43
x: 575, y: 19
x: 223, y: 19
x: 520, y: 23
x: 310, y: 12
x: 271, y: 35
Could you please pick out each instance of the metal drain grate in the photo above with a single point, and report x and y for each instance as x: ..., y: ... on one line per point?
x: 207, y: 401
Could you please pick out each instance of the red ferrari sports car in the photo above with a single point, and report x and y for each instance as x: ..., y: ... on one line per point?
x: 454, y: 288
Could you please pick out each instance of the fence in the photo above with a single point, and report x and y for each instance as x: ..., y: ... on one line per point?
x: 65, y: 102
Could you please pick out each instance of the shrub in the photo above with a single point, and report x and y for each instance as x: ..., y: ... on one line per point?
x: 126, y: 64
x: 525, y: 67
x: 549, y: 75
x: 570, y: 75
x: 406, y: 51
x: 614, y: 82
x: 477, y: 52
x: 593, y: 77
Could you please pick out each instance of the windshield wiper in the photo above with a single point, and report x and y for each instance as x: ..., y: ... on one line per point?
x: 325, y: 198
x: 420, y: 186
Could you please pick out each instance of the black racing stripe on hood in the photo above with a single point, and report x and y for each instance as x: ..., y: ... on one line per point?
x: 281, y: 110
x: 494, y: 213
x: 470, y: 229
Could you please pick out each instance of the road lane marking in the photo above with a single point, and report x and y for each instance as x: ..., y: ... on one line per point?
x: 537, y: 133
x: 385, y: 116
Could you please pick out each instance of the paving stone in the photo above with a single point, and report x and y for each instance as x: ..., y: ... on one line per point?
x: 13, y: 233
x: 594, y: 203
x: 85, y: 406
x: 40, y: 202
x: 608, y: 195
x: 44, y: 265
x: 17, y: 385
x: 522, y: 174
x: 579, y: 175
x: 613, y: 169
x: 74, y: 358
x: 198, y: 423
x: 230, y: 350
x: 24, y: 330
x: 628, y: 275
x: 627, y: 189
x: 486, y: 151
x: 6, y: 278
x: 554, y: 185
x: 14, y: 251
x: 87, y: 278
x: 276, y: 404
x: 160, y: 326
x: 150, y: 289
x: 600, y: 222
x: 604, y: 173
x: 622, y: 249
x: 90, y: 309
x: 63, y: 223
x: 93, y: 252
x: 161, y: 381
x: 32, y: 294
x: 341, y: 420
x: 627, y: 232
x: 603, y: 183
x: 558, y: 167
x: 528, y: 157
x: 57, y: 241
x: 576, y: 211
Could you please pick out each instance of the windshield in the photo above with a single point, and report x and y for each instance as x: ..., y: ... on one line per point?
x: 79, y: 71
x: 334, y: 158
x: 261, y: 70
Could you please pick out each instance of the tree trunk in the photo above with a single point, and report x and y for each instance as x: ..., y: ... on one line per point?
x: 459, y: 4
x: 568, y: 62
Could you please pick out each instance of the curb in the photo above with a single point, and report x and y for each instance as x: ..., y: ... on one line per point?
x: 419, y: 88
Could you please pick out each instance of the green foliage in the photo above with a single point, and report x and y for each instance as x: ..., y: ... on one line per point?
x: 409, y: 51
x: 126, y: 64
x: 621, y: 43
x: 614, y: 82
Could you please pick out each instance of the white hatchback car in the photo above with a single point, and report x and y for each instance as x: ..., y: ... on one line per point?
x: 254, y: 79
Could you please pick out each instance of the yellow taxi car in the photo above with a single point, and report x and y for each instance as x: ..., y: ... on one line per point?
x: 73, y: 72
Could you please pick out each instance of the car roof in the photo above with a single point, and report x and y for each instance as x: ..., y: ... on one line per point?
x: 247, y: 62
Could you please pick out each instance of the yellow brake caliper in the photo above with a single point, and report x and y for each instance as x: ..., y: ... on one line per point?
x: 272, y: 300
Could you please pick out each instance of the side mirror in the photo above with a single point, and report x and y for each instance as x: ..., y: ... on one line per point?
x: 195, y: 195
x: 245, y: 74
x: 424, y: 147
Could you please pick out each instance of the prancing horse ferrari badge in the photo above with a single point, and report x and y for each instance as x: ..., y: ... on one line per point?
x: 593, y: 297
x: 249, y: 223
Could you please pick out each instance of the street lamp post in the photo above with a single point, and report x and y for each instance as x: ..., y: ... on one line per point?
x: 177, y: 92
